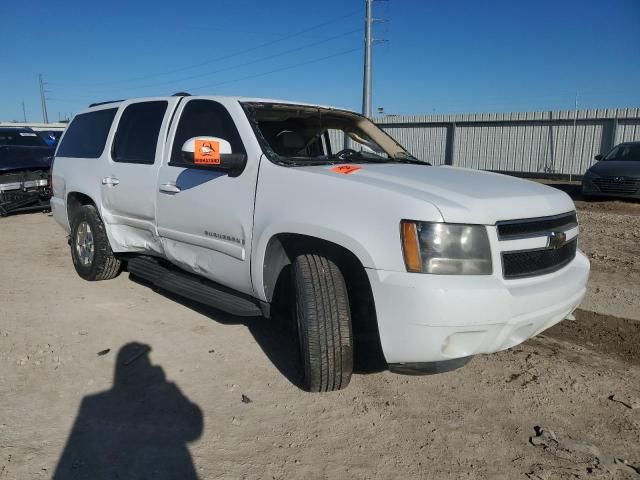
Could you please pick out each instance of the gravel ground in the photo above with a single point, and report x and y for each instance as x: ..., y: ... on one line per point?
x: 216, y: 397
x: 610, y: 236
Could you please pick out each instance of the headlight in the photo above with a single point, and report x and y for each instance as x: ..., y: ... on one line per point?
x: 446, y: 249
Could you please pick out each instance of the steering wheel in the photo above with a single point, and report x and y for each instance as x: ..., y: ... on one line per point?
x: 346, y: 152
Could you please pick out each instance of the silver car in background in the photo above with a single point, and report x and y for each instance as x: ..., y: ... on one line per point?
x: 617, y: 174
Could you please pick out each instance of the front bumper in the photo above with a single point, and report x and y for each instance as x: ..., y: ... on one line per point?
x: 23, y: 192
x: 429, y: 318
x: 589, y: 188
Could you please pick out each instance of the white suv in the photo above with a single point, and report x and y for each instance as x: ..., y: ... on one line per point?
x: 249, y: 205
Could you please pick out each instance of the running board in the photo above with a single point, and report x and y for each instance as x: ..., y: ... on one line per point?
x: 193, y: 287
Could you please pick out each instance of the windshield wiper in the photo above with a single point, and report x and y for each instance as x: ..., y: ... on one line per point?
x: 406, y: 157
x: 357, y: 157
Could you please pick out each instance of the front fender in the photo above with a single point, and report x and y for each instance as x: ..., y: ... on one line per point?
x: 360, y: 217
x: 261, y: 244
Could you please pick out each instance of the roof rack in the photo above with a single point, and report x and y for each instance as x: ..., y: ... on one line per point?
x: 104, y: 103
x: 181, y: 94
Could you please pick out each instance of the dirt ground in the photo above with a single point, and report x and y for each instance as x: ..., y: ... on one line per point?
x: 216, y: 396
x: 610, y: 236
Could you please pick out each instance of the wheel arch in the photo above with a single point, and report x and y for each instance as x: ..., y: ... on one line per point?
x: 282, y: 247
x: 279, y: 254
x: 75, y: 201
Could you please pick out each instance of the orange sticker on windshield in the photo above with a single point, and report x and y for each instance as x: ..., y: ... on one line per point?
x: 346, y: 169
x: 206, y: 152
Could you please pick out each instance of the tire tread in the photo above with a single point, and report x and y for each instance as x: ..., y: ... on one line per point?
x: 324, y: 320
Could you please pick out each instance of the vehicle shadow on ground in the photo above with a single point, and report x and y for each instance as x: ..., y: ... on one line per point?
x: 138, y: 429
x: 278, y: 338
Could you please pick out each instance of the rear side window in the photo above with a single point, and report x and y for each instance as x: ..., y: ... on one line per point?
x: 202, y: 118
x: 137, y: 134
x: 87, y: 134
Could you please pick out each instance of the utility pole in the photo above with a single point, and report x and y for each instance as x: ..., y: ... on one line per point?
x: 43, y: 100
x: 366, y: 88
x: 24, y: 113
x: 573, y: 144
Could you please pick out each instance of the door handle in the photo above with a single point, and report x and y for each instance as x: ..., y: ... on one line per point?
x: 110, y: 181
x: 169, y: 188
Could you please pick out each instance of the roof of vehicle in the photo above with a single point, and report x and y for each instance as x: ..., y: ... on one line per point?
x: 221, y: 97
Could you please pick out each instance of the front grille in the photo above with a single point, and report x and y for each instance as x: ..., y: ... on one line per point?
x: 617, y: 185
x: 536, y: 227
x: 528, y: 263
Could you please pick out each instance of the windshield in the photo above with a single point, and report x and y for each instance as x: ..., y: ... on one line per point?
x: 625, y: 152
x: 20, y: 138
x: 307, y: 135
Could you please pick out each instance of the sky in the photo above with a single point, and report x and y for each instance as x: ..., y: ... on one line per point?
x: 431, y: 56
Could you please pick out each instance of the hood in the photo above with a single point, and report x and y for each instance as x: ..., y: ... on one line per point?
x: 462, y: 195
x: 25, y: 158
x: 616, y: 168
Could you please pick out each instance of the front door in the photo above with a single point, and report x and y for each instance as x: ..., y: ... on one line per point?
x: 205, y: 218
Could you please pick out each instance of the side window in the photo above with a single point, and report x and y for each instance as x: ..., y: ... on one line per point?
x: 137, y: 134
x: 613, y: 154
x: 205, y: 118
x: 624, y: 153
x: 87, y: 134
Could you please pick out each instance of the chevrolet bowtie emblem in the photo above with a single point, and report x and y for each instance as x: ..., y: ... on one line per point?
x: 557, y: 240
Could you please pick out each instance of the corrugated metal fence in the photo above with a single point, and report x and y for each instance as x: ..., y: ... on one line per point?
x: 557, y: 143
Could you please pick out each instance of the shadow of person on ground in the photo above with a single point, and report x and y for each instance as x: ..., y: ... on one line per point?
x: 138, y: 429
x: 278, y: 337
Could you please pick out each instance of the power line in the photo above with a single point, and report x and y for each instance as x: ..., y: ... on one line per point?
x: 240, y: 65
x: 289, y: 67
x: 248, y: 77
x: 231, y: 55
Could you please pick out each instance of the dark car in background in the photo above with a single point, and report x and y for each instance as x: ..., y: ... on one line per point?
x: 51, y: 137
x: 25, y: 162
x: 617, y: 174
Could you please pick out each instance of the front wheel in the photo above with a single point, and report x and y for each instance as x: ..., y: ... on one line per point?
x: 90, y: 250
x: 324, y: 323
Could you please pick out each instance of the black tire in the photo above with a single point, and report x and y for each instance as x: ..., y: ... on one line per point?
x: 103, y: 265
x: 324, y: 323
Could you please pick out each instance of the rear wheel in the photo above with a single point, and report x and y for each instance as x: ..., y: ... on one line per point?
x: 324, y: 323
x: 90, y: 250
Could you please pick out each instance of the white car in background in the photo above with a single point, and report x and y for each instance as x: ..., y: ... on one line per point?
x: 259, y: 206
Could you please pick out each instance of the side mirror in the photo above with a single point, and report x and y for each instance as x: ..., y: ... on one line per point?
x: 598, y: 157
x: 213, y: 153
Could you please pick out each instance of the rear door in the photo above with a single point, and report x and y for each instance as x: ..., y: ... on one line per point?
x: 130, y: 173
x: 205, y: 217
